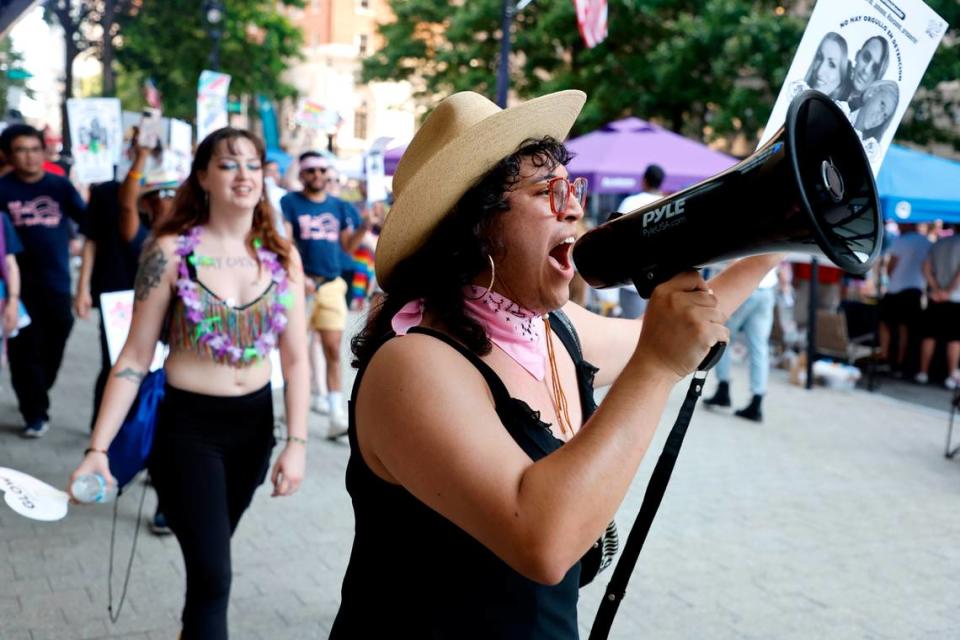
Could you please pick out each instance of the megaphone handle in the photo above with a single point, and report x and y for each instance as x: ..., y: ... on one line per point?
x: 713, y: 357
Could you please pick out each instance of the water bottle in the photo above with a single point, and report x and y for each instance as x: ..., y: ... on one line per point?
x: 92, y: 487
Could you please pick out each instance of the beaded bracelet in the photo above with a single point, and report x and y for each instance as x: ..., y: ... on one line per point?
x: 302, y: 441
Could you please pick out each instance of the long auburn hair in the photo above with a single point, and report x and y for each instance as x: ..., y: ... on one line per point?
x: 456, y: 253
x: 191, y: 207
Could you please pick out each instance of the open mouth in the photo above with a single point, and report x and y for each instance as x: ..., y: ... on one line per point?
x: 560, y: 254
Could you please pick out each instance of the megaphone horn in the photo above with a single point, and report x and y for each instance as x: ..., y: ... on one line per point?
x: 809, y: 190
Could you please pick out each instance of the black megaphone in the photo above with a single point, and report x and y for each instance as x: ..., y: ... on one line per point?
x: 809, y: 190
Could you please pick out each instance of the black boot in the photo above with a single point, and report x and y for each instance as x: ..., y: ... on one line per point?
x: 721, y: 397
x: 752, y: 411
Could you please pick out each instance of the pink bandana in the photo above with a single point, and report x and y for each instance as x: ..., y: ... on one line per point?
x: 519, y: 332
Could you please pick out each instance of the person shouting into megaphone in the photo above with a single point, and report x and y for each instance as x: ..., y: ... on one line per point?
x: 484, y: 478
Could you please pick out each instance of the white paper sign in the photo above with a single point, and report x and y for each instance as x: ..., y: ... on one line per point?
x: 180, y: 148
x: 96, y: 136
x: 117, y: 310
x: 376, y: 181
x: 869, y: 56
x: 212, y: 91
x: 180, y: 136
x: 32, y: 498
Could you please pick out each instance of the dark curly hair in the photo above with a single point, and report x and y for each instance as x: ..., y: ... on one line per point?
x: 455, y: 253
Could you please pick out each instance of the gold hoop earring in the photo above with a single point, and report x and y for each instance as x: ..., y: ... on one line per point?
x: 493, y: 275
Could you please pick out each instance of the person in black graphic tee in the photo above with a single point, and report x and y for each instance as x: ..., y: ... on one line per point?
x: 39, y: 205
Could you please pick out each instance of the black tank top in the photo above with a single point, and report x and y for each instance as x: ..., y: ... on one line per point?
x: 415, y: 574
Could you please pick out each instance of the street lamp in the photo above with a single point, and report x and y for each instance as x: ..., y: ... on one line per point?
x: 503, y: 72
x: 213, y: 15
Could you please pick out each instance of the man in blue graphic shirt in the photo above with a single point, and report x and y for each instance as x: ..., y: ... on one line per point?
x: 324, y: 227
x: 39, y: 205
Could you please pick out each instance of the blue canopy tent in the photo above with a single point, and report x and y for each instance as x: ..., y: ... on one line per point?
x: 918, y: 187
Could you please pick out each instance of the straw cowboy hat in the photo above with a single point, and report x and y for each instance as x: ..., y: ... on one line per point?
x: 464, y: 137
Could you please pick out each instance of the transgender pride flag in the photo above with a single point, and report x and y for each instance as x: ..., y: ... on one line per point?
x: 592, y: 20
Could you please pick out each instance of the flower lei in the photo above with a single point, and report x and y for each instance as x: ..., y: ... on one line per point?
x: 209, y: 331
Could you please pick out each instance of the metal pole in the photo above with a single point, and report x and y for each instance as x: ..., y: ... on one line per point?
x: 812, y: 320
x: 215, y: 52
x: 503, y: 71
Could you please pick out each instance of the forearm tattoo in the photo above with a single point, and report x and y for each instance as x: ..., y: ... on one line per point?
x: 150, y: 271
x: 131, y: 375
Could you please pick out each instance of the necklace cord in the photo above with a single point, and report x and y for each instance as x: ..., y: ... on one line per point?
x: 559, y: 398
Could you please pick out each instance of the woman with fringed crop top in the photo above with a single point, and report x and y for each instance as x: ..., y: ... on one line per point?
x: 203, y: 323
x: 214, y: 432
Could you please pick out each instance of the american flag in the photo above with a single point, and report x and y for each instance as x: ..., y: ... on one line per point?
x: 151, y: 94
x: 592, y: 20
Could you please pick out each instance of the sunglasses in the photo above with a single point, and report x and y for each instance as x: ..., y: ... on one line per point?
x: 314, y: 169
x: 561, y: 189
x: 163, y: 194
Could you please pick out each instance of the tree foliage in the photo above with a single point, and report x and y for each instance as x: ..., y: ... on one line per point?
x: 934, y: 115
x: 10, y: 59
x: 165, y: 40
x: 706, y: 68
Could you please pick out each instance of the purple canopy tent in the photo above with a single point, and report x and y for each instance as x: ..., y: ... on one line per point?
x: 391, y: 157
x: 614, y: 157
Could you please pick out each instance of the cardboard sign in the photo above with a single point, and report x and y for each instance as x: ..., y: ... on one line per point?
x: 869, y: 57
x: 32, y: 498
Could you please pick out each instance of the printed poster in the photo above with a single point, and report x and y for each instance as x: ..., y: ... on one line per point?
x: 314, y: 115
x: 212, y: 90
x: 96, y: 136
x: 869, y: 57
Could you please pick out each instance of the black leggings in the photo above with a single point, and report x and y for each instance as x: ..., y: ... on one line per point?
x: 209, y: 455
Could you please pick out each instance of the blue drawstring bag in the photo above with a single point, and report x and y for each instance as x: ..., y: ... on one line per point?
x: 130, y: 448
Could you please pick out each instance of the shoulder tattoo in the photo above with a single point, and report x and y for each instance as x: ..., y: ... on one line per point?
x: 150, y: 272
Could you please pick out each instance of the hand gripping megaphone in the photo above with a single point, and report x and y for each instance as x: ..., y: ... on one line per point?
x: 809, y: 190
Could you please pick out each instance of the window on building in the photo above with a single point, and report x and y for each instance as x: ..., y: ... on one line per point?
x: 360, y: 122
x: 363, y: 4
x: 363, y: 44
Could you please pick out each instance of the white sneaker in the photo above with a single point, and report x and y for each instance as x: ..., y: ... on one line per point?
x: 319, y: 405
x: 35, y: 429
x: 953, y: 381
x: 338, y: 425
x: 921, y: 378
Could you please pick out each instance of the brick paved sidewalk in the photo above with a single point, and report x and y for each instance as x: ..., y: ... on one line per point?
x: 836, y: 518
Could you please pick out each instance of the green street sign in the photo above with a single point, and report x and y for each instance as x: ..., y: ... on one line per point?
x: 18, y: 74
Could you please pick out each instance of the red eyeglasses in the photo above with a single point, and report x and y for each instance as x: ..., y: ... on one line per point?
x: 561, y: 189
